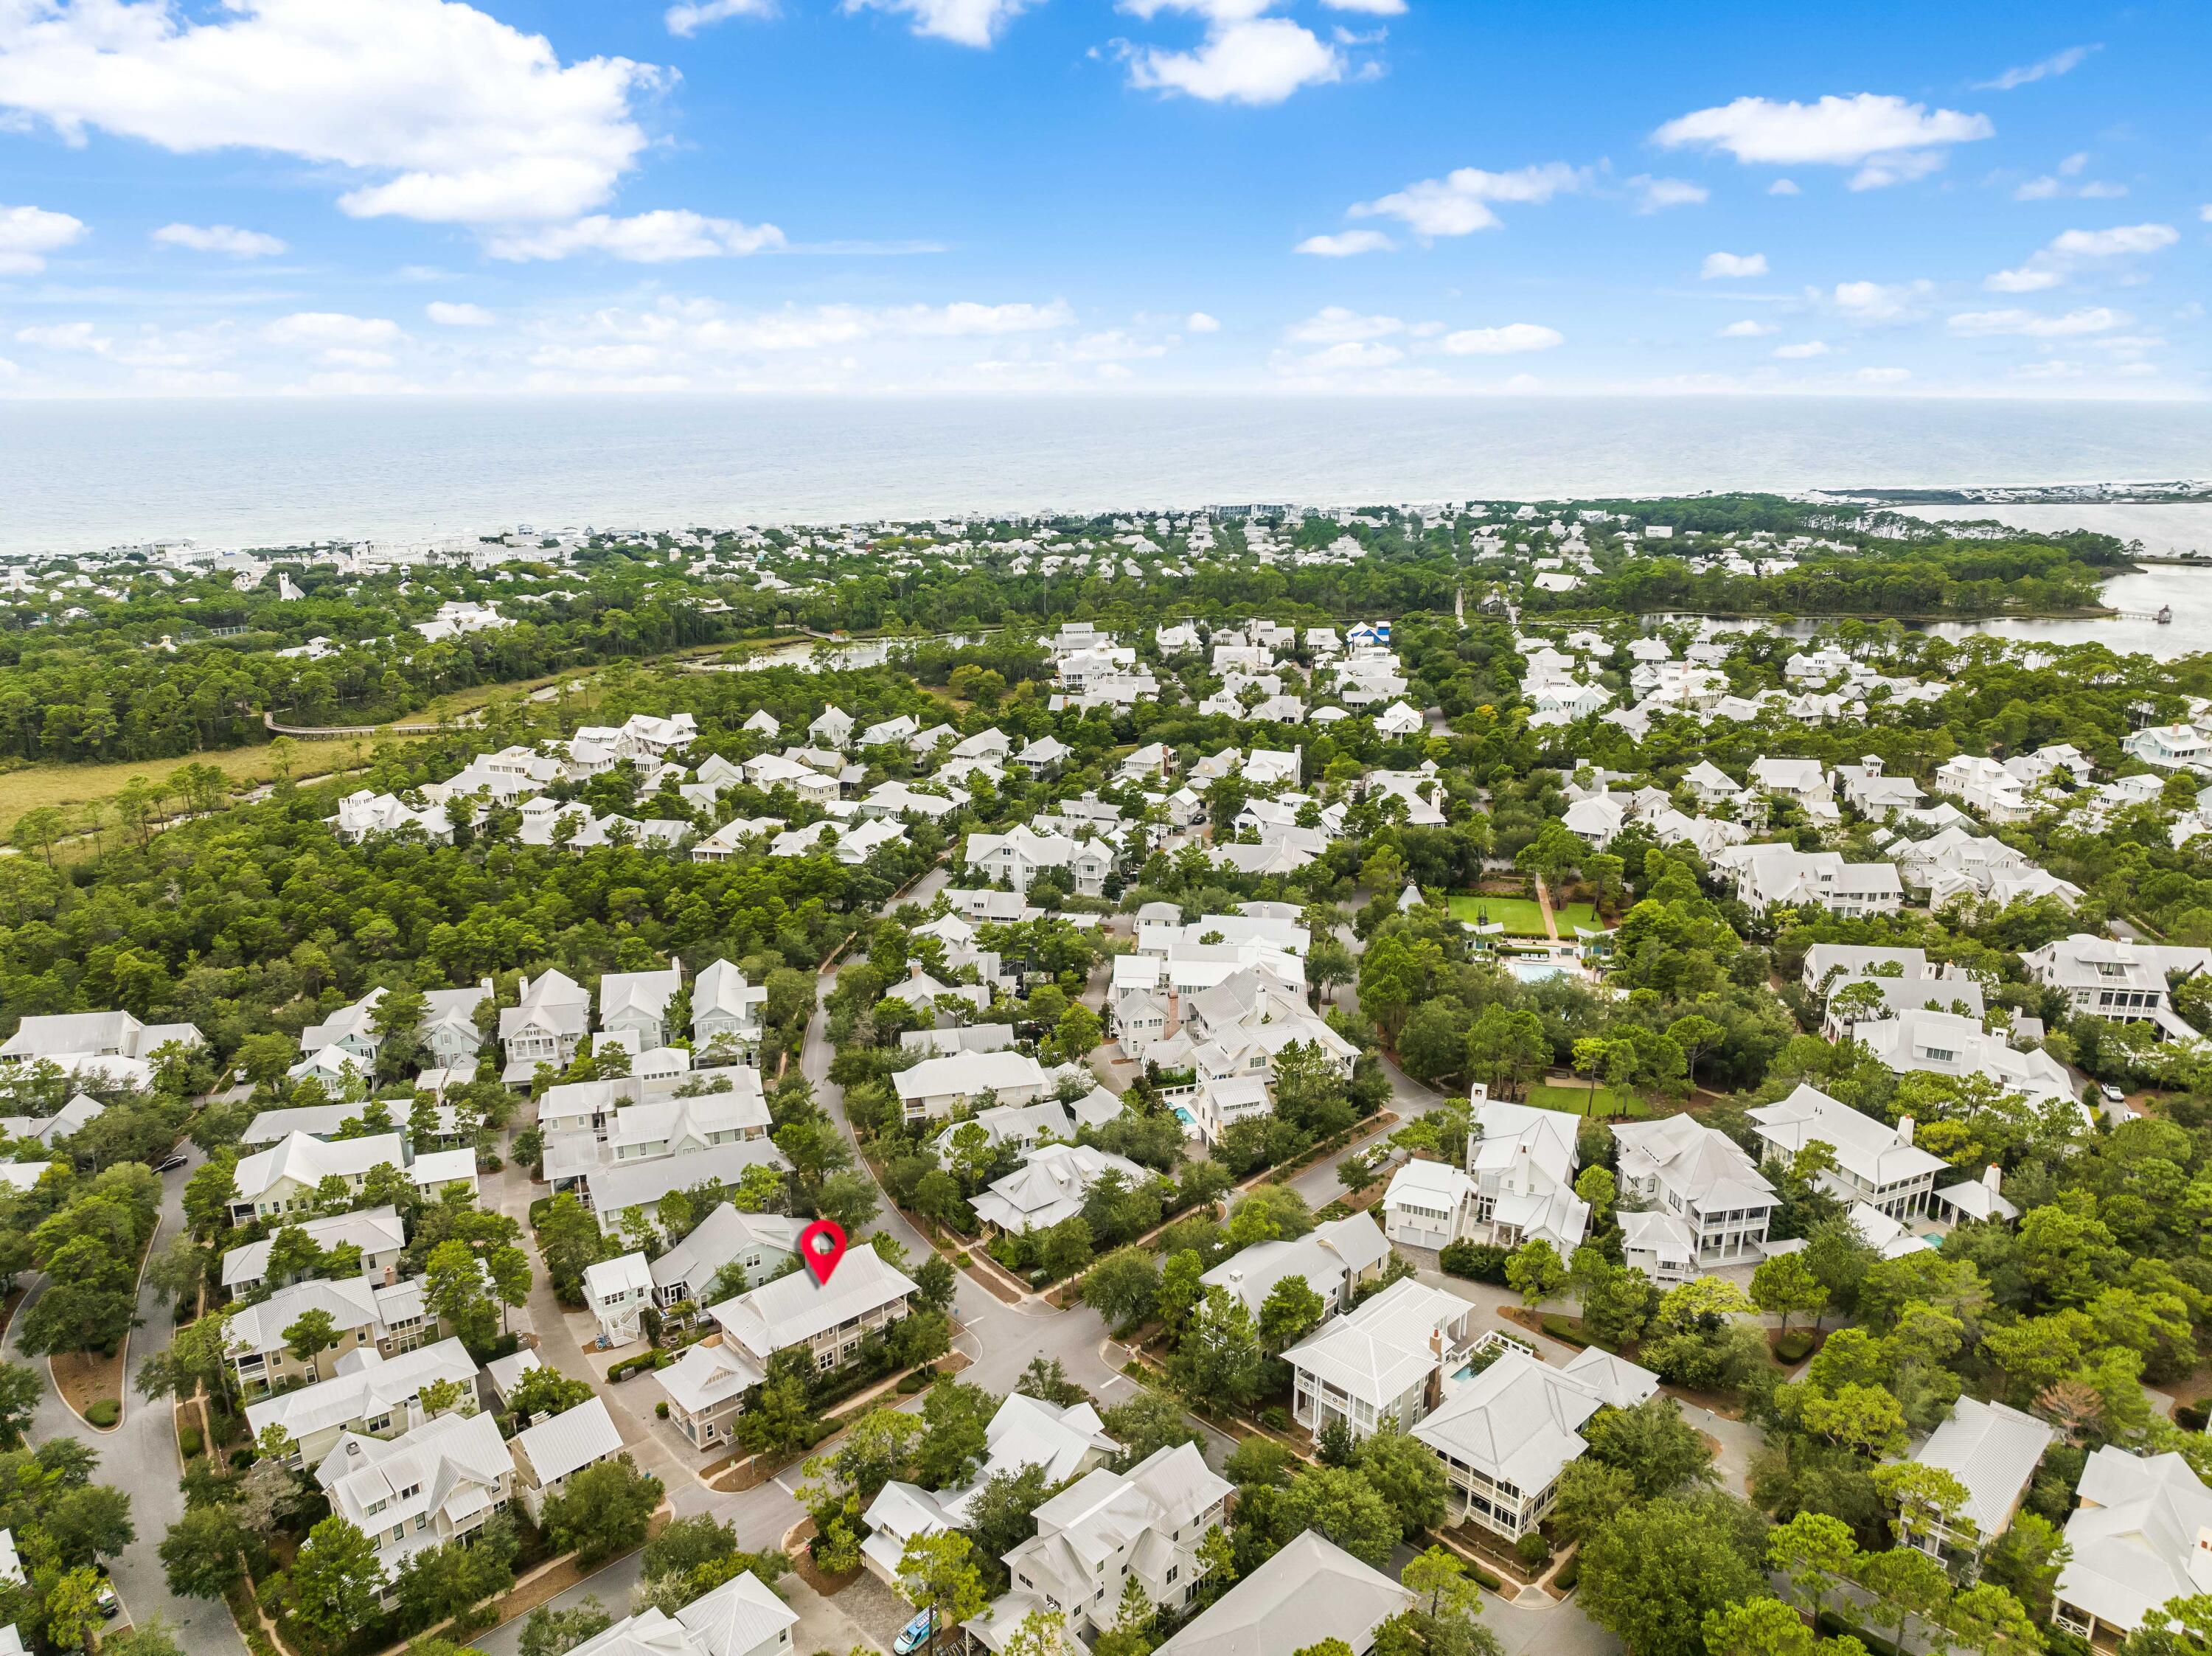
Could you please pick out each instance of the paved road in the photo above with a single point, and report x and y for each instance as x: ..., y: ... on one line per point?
x: 140, y: 1458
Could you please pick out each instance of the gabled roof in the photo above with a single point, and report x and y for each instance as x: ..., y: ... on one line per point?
x: 1309, y: 1591
x: 793, y: 1309
x: 572, y: 1439
x: 1993, y: 1451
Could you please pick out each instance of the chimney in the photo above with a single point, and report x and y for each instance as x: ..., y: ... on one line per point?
x: 2200, y: 1560
x: 485, y: 984
x: 1437, y: 1345
x: 1904, y: 1130
x: 1992, y: 1177
x: 912, y: 970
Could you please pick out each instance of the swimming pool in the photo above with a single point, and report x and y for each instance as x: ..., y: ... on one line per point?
x: 1536, y: 971
x: 1185, y: 1117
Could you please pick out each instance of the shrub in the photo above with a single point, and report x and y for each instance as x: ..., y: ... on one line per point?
x: 105, y: 1413
x: 1476, y: 1261
x: 1485, y: 1578
x: 1570, y: 1573
x: 1275, y: 1417
x: 1792, y: 1347
x: 660, y: 1410
x: 189, y: 1442
x: 919, y: 1380
x: 1533, y: 1550
x: 2190, y: 1416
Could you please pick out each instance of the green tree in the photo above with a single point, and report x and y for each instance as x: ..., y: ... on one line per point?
x: 311, y: 1333
x: 1785, y: 1285
x: 203, y: 1553
x: 1344, y: 1507
x: 1219, y: 1360
x: 1652, y: 1575
x: 1407, y: 1475
x: 604, y: 1511
x: 335, y: 1583
x: 936, y: 1572
x: 1290, y: 1312
x: 550, y: 1632
x: 21, y: 1389
x: 1536, y: 1273
x: 1817, y: 1553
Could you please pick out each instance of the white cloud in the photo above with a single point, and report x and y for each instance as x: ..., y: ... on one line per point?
x: 1798, y: 352
x: 1746, y: 329
x: 2035, y: 326
x: 447, y: 315
x: 1882, y: 376
x: 2027, y: 279
x: 1654, y: 195
x: 1508, y: 340
x: 690, y: 17
x: 1458, y: 203
x: 1332, y: 324
x: 219, y: 239
x: 1258, y: 60
x: 2057, y: 63
x: 331, y: 329
x: 964, y: 23
x: 28, y: 234
x: 453, y: 115
x: 1783, y: 187
x: 1372, y: 8
x: 1732, y: 264
x: 1346, y: 245
x: 654, y: 238
x: 64, y: 336
x: 1878, y: 301
x: 1352, y: 355
x: 2071, y: 249
x: 2205, y: 212
x: 1200, y: 322
x: 1888, y: 139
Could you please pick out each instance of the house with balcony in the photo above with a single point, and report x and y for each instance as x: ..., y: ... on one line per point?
x: 2119, y: 979
x: 938, y: 1086
x: 434, y: 1485
x: 1710, y: 1205
x: 1946, y: 1044
x: 388, y: 1319
x: 1064, y: 1441
x: 617, y: 1292
x: 2141, y: 1537
x: 1506, y: 1433
x: 1106, y: 1527
x: 705, y: 1387
x: 1050, y: 1185
x: 1993, y: 1451
x: 1984, y: 786
x: 635, y: 1003
x: 546, y: 1026
x: 1769, y: 875
x: 1877, y: 1164
x: 371, y: 1395
x: 549, y: 1453
x: 760, y: 1244
x: 2171, y: 748
x: 286, y: 1179
x: 1386, y: 1360
x: 379, y: 1233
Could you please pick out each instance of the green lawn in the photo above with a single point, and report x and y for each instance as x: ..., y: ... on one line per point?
x: 1521, y: 916
x: 1571, y: 915
x: 1577, y: 1100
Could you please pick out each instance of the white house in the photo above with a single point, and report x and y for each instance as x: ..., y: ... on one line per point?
x: 1993, y: 1451
x: 1384, y: 1361
x: 1309, y: 1593
x: 1505, y: 1435
x: 2141, y: 1537
x: 2171, y: 747
x: 1876, y: 1164
x: 938, y: 1086
x: 1706, y: 1196
x: 617, y: 1292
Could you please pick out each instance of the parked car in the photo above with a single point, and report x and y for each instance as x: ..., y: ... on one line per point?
x: 2118, y: 1095
x: 914, y: 1635
x: 170, y: 1164
x: 104, y: 1600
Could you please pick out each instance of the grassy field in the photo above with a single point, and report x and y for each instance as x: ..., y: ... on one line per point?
x: 1571, y: 915
x: 1521, y: 916
x: 1578, y: 1101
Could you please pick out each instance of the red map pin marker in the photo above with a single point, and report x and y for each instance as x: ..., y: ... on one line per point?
x: 821, y: 1245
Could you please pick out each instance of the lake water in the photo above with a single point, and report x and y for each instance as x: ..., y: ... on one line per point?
x: 83, y: 475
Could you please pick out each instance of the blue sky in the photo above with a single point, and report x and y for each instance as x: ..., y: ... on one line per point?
x: 594, y: 196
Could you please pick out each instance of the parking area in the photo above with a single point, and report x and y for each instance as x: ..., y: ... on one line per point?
x: 875, y: 1609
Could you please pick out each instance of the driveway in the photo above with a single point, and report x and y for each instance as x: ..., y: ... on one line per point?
x: 139, y: 1457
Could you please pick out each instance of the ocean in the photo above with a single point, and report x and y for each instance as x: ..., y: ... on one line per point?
x: 82, y: 475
